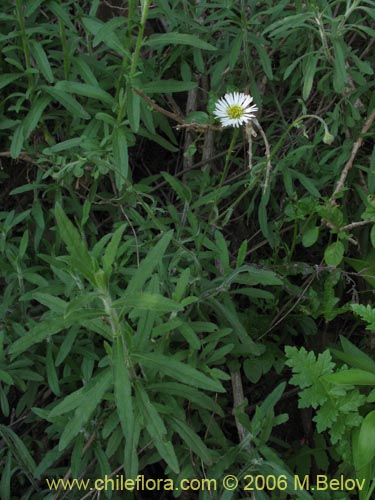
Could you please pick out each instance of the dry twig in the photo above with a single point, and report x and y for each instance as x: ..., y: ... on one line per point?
x: 349, y: 163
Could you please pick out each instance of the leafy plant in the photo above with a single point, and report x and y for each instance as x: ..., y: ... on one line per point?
x: 154, y: 266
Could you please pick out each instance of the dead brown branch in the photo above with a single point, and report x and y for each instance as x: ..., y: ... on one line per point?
x: 349, y: 163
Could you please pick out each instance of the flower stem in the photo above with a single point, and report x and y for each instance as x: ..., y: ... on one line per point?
x: 227, y: 164
x: 218, y: 189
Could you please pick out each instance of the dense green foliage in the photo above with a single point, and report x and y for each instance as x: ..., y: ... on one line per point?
x: 164, y: 280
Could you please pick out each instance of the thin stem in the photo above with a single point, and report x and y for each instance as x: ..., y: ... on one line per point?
x: 122, y: 111
x: 64, y: 47
x: 125, y: 59
x: 218, y: 189
x: 228, y: 157
x: 25, y: 43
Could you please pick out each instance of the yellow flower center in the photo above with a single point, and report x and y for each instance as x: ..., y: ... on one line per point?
x: 234, y: 111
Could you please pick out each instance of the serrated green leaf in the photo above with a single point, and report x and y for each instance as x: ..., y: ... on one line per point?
x: 366, y: 313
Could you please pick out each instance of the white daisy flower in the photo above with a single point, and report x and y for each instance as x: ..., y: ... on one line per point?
x: 235, y: 109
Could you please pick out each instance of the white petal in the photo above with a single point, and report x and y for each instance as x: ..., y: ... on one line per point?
x: 228, y: 99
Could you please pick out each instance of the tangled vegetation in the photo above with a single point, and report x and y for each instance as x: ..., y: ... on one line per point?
x: 182, y: 300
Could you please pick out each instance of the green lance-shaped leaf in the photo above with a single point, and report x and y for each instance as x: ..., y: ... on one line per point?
x: 177, y: 370
x: 75, y: 142
x: 75, y: 244
x: 148, y: 302
x: 123, y: 386
x: 18, y: 450
x: 351, y: 377
x: 67, y: 100
x: 148, y: 265
x: 52, y: 377
x: 339, y: 70
x: 34, y: 115
x: 41, y: 60
x: 124, y: 404
x: 353, y: 356
x: 17, y: 142
x: 120, y: 154
x: 184, y: 391
x: 366, y: 440
x: 111, y: 250
x: 39, y: 333
x: 179, y: 187
x: 86, y: 90
x: 173, y: 38
x: 192, y: 440
x: 230, y: 314
x: 156, y: 427
x: 167, y: 86
x: 308, y: 80
x: 89, y: 402
x: 8, y: 78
